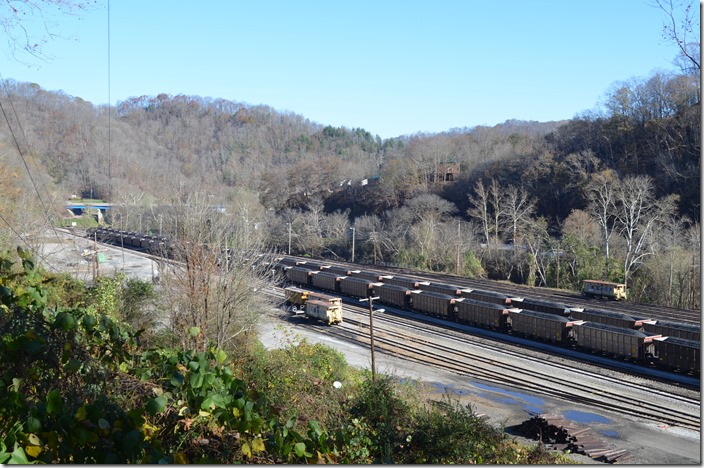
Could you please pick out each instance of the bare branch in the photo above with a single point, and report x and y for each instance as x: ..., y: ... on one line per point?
x: 16, y: 20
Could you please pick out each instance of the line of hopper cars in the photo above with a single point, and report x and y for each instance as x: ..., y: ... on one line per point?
x: 667, y: 345
x: 153, y: 244
x: 157, y: 245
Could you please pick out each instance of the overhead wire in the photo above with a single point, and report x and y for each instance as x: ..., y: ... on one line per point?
x: 17, y: 233
x: 26, y: 140
x: 26, y: 166
x: 38, y: 172
x: 109, y: 113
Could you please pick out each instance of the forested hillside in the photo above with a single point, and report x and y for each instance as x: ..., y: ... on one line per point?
x: 612, y: 193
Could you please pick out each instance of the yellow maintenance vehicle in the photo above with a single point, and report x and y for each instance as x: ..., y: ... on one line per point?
x: 314, y: 304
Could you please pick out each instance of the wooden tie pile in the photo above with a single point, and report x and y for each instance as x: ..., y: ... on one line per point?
x: 559, y: 434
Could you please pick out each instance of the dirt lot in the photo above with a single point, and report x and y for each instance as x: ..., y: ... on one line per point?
x: 77, y: 255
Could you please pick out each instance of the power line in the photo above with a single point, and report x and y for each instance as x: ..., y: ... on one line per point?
x: 109, y: 113
x: 26, y: 243
x: 24, y: 135
x: 19, y: 151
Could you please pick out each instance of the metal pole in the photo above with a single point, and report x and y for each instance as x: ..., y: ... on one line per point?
x: 371, y: 335
x: 289, y: 238
x: 458, y: 248
x: 95, y: 254
x: 558, y: 266
x: 352, y: 244
x: 371, y: 331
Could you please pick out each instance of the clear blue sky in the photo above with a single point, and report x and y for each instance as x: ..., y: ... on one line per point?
x: 392, y: 67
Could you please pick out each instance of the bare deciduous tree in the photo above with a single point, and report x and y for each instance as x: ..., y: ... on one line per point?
x: 601, y: 196
x: 519, y: 210
x: 637, y: 211
x: 430, y: 212
x: 21, y: 35
x: 480, y: 208
x: 497, y: 202
x: 214, y: 295
x: 536, y: 238
x: 670, y: 238
x: 682, y: 27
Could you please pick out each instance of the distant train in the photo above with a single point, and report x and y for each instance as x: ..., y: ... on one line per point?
x: 607, y: 289
x: 156, y: 245
x: 663, y: 344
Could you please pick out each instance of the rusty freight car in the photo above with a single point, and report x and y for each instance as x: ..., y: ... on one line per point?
x: 449, y: 289
x: 486, y: 296
x: 409, y: 283
x: 541, y: 325
x: 394, y: 295
x: 686, y: 331
x: 483, y: 314
x: 325, y: 281
x: 356, y: 287
x: 373, y: 276
x: 615, y: 341
x: 538, y: 305
x: 616, y: 319
x: 298, y: 275
x: 678, y: 354
x: 434, y: 304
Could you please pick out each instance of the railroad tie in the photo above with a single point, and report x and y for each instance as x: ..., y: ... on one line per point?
x: 561, y: 435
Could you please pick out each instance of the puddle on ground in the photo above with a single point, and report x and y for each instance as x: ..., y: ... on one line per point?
x: 528, y: 402
x: 612, y: 434
x: 582, y: 417
x: 442, y: 387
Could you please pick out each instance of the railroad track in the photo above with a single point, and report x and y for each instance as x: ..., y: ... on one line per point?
x: 636, y: 310
x: 468, y: 357
x: 571, y: 299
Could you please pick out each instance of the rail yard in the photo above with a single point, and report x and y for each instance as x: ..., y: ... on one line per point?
x: 658, y: 398
x: 649, y: 341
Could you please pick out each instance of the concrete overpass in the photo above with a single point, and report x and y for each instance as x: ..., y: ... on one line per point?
x: 80, y: 208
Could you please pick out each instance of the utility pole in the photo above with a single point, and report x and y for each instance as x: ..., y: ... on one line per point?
x: 353, y: 245
x: 457, y: 271
x: 227, y: 257
x: 558, y: 265
x: 371, y: 331
x: 96, y: 271
x: 289, y: 238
